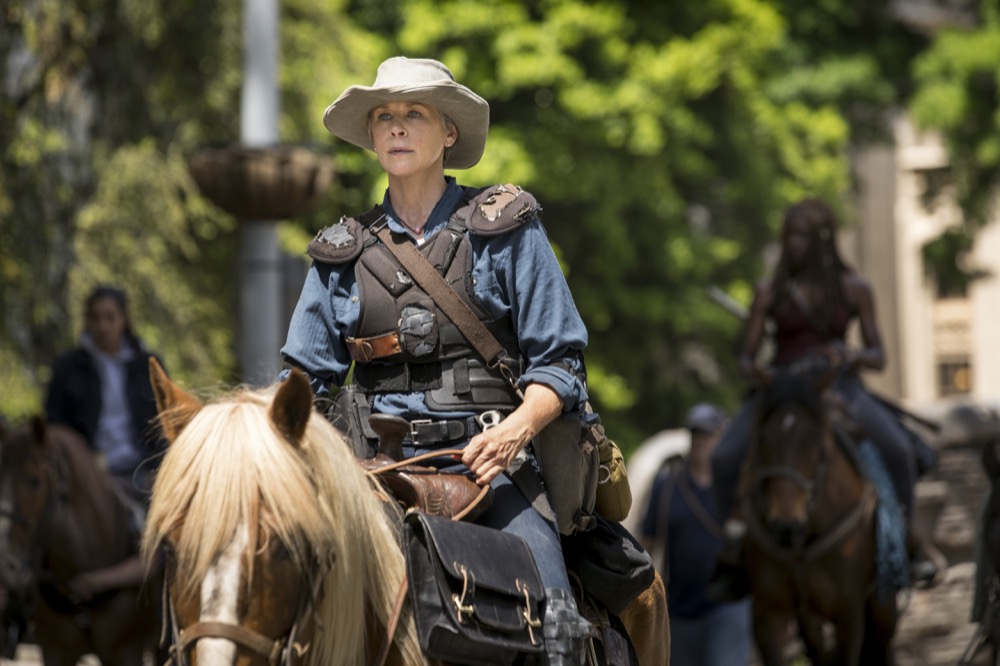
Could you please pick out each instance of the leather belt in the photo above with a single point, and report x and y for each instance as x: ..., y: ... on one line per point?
x: 378, y: 346
x: 425, y: 431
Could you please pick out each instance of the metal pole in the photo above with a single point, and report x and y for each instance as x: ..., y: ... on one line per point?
x: 259, y: 336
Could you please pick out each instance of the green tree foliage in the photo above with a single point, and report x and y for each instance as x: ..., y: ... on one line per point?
x: 663, y: 140
x: 958, y: 94
x: 101, y: 102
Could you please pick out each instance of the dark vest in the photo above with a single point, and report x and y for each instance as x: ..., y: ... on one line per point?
x: 404, y: 341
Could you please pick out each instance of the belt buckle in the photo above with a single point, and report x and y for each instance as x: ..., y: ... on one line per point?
x: 414, y: 436
x: 489, y: 419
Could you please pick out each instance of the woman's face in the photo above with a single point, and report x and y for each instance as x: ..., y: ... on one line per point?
x: 797, y: 241
x: 106, y: 324
x: 410, y: 138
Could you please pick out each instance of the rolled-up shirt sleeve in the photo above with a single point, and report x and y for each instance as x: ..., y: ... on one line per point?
x: 550, y: 331
x: 326, y: 312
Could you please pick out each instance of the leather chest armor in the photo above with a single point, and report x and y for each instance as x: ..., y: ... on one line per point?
x: 404, y: 342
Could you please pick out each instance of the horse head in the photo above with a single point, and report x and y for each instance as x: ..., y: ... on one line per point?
x: 272, y: 536
x: 991, y: 517
x: 31, y: 483
x: 789, y: 455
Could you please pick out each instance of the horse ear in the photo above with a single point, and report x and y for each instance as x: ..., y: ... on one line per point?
x: 990, y: 462
x: 292, y: 406
x: 39, y: 431
x: 175, y: 406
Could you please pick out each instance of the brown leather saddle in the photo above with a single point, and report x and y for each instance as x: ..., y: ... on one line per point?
x: 424, y: 488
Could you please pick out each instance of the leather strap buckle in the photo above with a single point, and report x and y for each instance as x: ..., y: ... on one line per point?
x: 378, y: 346
x: 426, y: 431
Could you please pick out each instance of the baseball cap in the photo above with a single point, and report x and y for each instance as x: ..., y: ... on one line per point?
x: 705, y: 417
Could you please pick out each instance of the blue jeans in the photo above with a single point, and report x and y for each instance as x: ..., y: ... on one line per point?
x: 511, y: 512
x: 720, y: 638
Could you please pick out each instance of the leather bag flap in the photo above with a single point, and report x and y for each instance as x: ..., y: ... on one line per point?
x: 496, y: 570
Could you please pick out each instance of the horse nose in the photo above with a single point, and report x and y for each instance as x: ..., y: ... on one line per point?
x: 787, y: 533
x: 12, y: 574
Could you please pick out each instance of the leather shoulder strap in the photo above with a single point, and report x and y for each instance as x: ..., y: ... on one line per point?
x: 699, y: 510
x: 425, y: 275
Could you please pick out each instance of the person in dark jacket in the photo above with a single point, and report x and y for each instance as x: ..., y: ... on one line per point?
x: 683, y: 527
x: 101, y: 389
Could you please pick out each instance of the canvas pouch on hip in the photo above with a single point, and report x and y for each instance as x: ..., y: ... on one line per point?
x: 570, y: 464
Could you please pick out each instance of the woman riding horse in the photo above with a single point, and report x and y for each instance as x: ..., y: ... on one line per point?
x: 411, y: 360
x: 810, y: 301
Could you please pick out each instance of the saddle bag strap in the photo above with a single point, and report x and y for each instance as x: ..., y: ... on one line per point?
x: 699, y: 510
x: 432, y: 282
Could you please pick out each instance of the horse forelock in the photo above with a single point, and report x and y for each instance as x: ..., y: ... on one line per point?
x: 229, y: 465
x: 791, y: 389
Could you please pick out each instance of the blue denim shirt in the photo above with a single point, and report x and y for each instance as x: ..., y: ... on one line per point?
x: 514, y: 274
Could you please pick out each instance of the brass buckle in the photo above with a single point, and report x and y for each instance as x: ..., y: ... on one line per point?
x: 532, y: 622
x: 463, y: 611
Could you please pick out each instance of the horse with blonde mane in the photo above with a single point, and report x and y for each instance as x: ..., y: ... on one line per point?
x: 273, y: 537
x: 276, y: 547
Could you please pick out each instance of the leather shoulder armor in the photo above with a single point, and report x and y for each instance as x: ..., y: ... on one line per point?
x: 338, y: 243
x: 499, y: 209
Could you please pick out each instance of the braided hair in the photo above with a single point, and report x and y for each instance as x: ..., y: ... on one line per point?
x: 823, y: 264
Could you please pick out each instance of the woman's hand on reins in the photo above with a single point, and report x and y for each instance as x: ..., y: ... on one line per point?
x: 841, y: 356
x: 492, y: 451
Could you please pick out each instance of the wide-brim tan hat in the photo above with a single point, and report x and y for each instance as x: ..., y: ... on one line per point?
x: 402, y: 79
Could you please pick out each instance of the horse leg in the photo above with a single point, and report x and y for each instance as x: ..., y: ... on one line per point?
x: 59, y: 639
x: 849, y: 629
x: 648, y: 625
x: 770, y: 630
x: 811, y: 631
x: 880, y: 625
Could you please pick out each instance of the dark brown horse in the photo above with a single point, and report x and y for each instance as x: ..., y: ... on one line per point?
x: 60, y: 516
x: 986, y: 606
x: 811, y: 542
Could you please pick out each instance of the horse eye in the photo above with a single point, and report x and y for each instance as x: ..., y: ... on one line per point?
x: 33, y: 482
x: 281, y: 552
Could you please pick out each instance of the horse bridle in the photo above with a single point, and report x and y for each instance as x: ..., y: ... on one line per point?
x: 810, y: 485
x: 840, y: 529
x: 34, y: 557
x: 282, y: 651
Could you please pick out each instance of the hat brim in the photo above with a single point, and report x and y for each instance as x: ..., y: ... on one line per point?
x: 347, y: 117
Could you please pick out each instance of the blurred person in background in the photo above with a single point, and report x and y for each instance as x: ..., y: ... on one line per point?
x: 101, y: 389
x: 682, y: 528
x: 807, y: 306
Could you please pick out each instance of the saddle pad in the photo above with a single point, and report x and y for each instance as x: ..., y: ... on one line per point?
x: 892, y: 565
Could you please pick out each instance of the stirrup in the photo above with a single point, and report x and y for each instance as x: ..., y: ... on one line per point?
x: 923, y: 572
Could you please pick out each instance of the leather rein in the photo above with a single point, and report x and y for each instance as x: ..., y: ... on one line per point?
x: 282, y: 651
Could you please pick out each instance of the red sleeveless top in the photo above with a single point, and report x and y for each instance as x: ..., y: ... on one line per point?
x: 795, y: 336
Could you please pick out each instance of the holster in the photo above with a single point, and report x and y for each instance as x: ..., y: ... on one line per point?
x: 428, y: 489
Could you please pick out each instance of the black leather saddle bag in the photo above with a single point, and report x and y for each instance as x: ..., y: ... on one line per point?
x: 476, y: 593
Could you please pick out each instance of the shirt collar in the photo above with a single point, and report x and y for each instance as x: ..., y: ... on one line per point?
x: 439, y: 217
x: 125, y: 353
